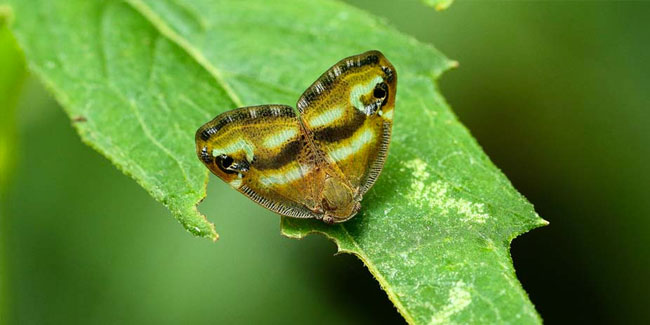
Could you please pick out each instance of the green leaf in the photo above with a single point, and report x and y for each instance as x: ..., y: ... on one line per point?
x: 438, y: 4
x: 141, y: 77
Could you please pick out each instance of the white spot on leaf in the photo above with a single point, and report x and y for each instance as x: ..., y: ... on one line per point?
x: 459, y: 299
x: 437, y: 195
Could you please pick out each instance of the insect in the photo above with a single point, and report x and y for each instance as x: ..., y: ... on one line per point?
x: 317, y: 162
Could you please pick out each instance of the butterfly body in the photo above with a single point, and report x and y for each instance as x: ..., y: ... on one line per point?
x: 317, y: 162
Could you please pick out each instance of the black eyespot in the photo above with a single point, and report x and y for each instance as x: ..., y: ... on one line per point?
x: 380, y: 90
x: 379, y: 93
x: 226, y: 161
x: 223, y: 162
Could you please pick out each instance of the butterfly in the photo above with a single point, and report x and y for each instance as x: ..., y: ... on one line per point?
x: 316, y: 162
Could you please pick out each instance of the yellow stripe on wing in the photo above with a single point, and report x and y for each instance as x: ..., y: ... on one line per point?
x: 358, y: 141
x: 279, y: 138
x: 282, y: 176
x: 327, y: 117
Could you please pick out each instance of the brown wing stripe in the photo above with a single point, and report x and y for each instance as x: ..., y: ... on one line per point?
x: 340, y: 132
x: 287, y: 154
x: 290, y: 151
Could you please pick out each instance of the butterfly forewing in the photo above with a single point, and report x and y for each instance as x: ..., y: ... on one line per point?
x: 349, y: 111
x: 317, y: 163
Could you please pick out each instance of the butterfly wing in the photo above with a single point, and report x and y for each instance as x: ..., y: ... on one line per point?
x: 348, y: 112
x: 258, y: 150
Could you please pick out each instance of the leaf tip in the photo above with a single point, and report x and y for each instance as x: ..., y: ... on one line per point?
x: 195, y: 222
x: 539, y: 221
x: 209, y: 233
x: 207, y: 229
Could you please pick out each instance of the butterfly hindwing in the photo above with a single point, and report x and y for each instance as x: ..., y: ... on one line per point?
x: 349, y: 111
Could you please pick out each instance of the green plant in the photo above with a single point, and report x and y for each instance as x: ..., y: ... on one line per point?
x: 137, y: 78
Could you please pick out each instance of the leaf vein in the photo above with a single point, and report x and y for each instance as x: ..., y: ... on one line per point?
x: 165, y: 30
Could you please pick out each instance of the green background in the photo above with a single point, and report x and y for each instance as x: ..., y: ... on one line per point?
x: 557, y: 93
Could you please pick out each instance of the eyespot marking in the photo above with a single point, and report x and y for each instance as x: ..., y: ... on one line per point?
x: 379, y: 92
x: 224, y: 162
x: 361, y: 90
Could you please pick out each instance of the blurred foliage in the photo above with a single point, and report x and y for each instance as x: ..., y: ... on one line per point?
x: 556, y: 93
x: 12, y: 75
x: 438, y: 4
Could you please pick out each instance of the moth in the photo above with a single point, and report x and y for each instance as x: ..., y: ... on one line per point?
x: 316, y: 162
